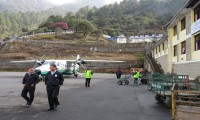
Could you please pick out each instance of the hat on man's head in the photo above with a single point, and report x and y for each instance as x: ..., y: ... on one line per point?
x: 53, y: 65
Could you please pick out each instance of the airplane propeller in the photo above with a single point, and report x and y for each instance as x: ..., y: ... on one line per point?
x: 77, y: 61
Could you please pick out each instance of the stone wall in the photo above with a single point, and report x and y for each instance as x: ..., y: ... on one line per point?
x: 191, y: 68
x: 163, y: 61
x: 147, y: 66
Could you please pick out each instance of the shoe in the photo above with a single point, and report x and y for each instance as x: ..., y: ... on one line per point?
x: 50, y: 109
x: 58, y: 103
x: 28, y: 106
x: 55, y: 106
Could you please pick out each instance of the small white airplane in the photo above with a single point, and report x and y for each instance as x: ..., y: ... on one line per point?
x: 67, y: 67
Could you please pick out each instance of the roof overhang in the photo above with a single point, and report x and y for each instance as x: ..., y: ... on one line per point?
x: 191, y: 3
x: 182, y: 12
x: 159, y: 42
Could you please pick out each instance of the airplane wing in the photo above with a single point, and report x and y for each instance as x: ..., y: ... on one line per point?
x: 24, y: 61
x: 70, y: 60
x: 106, y: 61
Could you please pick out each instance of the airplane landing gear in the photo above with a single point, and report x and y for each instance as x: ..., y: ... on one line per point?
x: 76, y: 75
x: 41, y: 78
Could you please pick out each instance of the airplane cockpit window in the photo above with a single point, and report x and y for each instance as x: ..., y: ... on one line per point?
x: 46, y: 63
x: 43, y: 61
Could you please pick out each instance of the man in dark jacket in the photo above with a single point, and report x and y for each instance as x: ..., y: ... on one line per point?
x: 29, y: 81
x: 53, y: 80
x: 118, y: 73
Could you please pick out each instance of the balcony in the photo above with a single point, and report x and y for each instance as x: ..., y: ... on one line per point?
x: 175, y: 40
x: 182, y: 58
x: 195, y: 27
x: 182, y: 35
x: 195, y: 55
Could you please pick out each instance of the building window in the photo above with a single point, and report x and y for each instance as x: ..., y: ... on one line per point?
x: 159, y: 48
x: 175, y: 30
x: 197, y: 13
x: 175, y: 50
x: 163, y: 45
x: 156, y: 50
x: 182, y: 24
x: 183, y: 47
x: 197, y: 42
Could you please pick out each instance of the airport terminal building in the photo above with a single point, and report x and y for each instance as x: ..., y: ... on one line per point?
x: 179, y: 52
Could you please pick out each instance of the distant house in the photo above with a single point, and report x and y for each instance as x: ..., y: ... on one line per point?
x: 121, y: 39
x: 62, y: 25
x: 145, y: 38
x: 106, y: 36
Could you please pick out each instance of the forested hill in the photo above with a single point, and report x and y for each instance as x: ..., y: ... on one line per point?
x: 130, y: 17
x: 139, y: 17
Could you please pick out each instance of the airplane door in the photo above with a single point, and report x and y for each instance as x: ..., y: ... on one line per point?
x: 66, y: 65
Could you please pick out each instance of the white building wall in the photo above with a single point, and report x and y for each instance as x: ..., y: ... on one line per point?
x: 121, y: 40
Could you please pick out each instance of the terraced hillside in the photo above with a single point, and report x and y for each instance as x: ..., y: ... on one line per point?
x: 88, y: 48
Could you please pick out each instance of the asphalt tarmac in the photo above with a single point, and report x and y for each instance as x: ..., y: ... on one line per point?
x: 104, y: 100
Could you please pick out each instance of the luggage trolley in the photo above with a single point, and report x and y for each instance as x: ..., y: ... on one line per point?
x: 125, y: 79
x: 162, y: 84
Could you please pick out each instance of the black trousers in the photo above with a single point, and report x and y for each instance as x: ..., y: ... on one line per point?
x: 52, y: 93
x: 87, y: 82
x: 118, y: 76
x: 31, y: 91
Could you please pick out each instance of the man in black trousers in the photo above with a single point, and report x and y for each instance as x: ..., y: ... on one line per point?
x: 53, y: 80
x: 29, y: 81
x: 118, y: 73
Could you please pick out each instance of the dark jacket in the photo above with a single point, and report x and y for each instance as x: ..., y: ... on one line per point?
x: 28, y: 80
x: 55, y: 79
x: 119, y: 73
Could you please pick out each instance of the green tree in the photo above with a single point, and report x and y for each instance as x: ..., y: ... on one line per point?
x: 70, y: 15
x: 83, y: 12
x: 25, y: 30
x: 2, y: 19
x: 85, y: 27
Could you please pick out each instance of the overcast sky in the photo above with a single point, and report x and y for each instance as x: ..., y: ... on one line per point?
x: 60, y: 2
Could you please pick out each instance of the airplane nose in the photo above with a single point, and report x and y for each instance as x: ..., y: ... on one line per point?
x: 38, y: 71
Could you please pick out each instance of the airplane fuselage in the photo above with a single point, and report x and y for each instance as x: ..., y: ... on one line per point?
x: 63, y: 66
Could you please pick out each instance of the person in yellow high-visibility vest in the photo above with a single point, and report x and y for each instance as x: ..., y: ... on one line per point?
x: 88, y: 76
x: 136, y: 75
